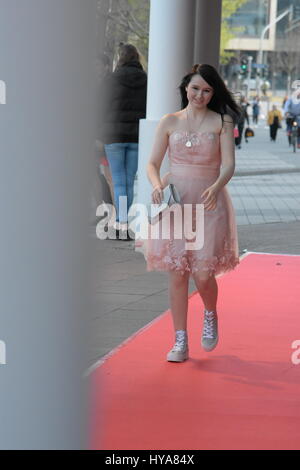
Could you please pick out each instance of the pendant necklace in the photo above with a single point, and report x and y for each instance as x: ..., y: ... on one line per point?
x: 189, y: 141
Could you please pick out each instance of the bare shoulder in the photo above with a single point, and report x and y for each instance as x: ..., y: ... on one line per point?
x: 170, y: 122
x: 214, y: 121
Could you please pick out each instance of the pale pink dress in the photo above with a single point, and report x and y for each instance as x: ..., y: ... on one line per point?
x: 193, y: 170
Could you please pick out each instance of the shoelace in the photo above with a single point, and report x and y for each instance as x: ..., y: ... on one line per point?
x: 209, y: 325
x: 180, y: 341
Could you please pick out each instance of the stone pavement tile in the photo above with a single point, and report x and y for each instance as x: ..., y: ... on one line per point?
x: 240, y: 212
x: 249, y: 202
x: 112, y: 255
x: 105, y: 303
x: 288, y: 218
x: 275, y: 237
x: 291, y: 203
x: 135, y: 285
x: 110, y: 331
x: 120, y: 322
x: 271, y: 218
x: 242, y: 220
x: 98, y: 350
x: 155, y: 302
x: 256, y: 219
x: 282, y: 204
x: 257, y: 211
x: 122, y: 270
x: 264, y: 203
x: 237, y: 203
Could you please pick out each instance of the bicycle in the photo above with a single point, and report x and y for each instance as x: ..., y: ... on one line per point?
x: 293, y: 130
x: 294, y: 134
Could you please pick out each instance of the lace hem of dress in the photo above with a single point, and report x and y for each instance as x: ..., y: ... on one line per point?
x: 184, y: 263
x: 215, y: 265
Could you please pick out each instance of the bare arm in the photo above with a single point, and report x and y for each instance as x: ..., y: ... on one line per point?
x: 161, y: 142
x: 227, y: 153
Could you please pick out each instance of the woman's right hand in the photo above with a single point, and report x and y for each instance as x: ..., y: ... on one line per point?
x: 157, y: 195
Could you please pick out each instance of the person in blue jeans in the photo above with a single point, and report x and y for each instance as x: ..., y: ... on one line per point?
x: 123, y: 104
x: 123, y: 162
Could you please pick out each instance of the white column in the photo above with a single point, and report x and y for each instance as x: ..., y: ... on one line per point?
x: 171, y: 47
x: 208, y: 31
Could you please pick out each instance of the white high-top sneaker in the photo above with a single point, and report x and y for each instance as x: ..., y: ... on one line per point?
x: 180, y: 351
x: 210, y: 331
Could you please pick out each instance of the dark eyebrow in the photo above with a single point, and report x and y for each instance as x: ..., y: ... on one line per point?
x: 205, y: 87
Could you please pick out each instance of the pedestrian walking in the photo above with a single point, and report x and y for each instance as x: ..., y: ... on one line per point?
x: 284, y: 101
x: 274, y: 122
x: 123, y: 106
x: 199, y: 139
x: 292, y: 114
x: 241, y: 122
x: 255, y: 110
x: 104, y: 173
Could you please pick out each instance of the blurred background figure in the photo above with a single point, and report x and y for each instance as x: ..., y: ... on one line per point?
x: 274, y: 122
x: 106, y: 189
x: 292, y: 113
x: 102, y: 187
x: 255, y: 110
x: 241, y: 122
x: 284, y: 101
x: 124, y: 104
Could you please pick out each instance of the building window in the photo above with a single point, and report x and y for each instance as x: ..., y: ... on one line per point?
x: 253, y: 16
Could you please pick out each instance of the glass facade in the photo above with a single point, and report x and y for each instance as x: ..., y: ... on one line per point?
x: 281, y: 56
x: 253, y: 16
x: 283, y: 25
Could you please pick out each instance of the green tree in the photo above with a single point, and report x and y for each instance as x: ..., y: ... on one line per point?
x: 229, y: 7
x: 128, y: 21
x: 125, y: 21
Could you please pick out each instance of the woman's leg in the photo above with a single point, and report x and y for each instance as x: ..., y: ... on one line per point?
x: 240, y: 128
x: 178, y: 295
x: 208, y: 289
x: 178, y: 292
x: 131, y: 166
x: 115, y: 154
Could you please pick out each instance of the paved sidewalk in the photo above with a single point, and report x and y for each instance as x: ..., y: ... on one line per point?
x: 127, y: 297
x: 260, y: 156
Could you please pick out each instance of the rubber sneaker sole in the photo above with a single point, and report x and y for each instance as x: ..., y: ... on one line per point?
x: 209, y: 344
x: 178, y: 356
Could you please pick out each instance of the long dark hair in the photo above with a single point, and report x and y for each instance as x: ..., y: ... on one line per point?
x: 222, y: 101
x: 128, y: 54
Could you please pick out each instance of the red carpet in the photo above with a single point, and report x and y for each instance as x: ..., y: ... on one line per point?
x: 243, y: 395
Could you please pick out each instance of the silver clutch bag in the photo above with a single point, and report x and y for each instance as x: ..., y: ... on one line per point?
x: 171, y: 196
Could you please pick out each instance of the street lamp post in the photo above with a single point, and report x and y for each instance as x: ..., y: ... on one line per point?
x: 260, y: 53
x: 250, y: 58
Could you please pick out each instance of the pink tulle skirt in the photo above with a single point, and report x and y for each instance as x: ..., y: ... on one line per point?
x: 215, y: 251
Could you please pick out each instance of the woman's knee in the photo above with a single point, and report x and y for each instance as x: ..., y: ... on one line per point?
x: 178, y: 280
x: 204, y: 281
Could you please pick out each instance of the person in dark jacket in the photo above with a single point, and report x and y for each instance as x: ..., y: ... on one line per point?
x: 123, y: 105
x: 241, y: 122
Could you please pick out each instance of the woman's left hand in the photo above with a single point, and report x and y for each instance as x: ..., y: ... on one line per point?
x: 210, y: 198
